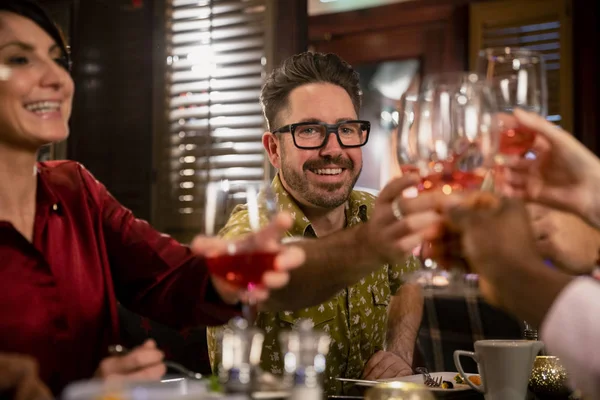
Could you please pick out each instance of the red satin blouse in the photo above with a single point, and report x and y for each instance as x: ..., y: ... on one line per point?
x: 58, y: 295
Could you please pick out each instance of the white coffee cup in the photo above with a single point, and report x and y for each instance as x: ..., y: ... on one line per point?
x: 504, y: 366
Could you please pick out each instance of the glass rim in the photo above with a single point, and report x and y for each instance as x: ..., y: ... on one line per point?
x: 450, y: 79
x: 453, y: 74
x: 509, y: 51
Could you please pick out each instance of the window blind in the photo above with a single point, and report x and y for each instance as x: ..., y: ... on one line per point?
x: 215, y: 69
x: 540, y: 25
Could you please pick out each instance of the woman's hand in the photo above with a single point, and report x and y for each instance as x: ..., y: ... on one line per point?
x: 19, y: 378
x: 144, y: 362
x: 267, y: 239
x: 565, y: 174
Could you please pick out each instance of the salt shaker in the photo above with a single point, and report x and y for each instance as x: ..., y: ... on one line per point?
x: 304, y: 360
x: 241, y: 348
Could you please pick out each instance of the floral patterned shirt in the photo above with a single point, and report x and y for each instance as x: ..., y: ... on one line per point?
x: 355, y: 318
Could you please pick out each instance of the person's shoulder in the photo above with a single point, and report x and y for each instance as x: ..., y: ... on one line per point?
x: 368, y: 196
x: 237, y: 224
x: 62, y: 169
x: 363, y: 197
x: 68, y: 178
x: 61, y: 172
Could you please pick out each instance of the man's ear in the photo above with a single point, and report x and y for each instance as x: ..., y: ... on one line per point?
x: 272, y: 145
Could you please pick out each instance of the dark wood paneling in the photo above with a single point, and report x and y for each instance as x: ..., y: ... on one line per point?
x: 375, y: 19
x: 111, y: 126
x: 112, y: 47
x: 367, y: 47
x: 433, y: 31
x: 160, y: 123
x: 586, y: 66
x: 288, y: 20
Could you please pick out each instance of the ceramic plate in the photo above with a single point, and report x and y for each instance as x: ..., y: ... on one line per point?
x: 446, y: 376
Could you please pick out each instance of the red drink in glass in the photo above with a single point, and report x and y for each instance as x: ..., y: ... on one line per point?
x: 409, y: 169
x: 244, y: 270
x: 517, y: 141
x: 450, y: 182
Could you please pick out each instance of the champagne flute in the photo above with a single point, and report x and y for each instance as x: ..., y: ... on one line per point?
x: 518, y: 77
x: 453, y: 144
x: 406, y: 140
x: 244, y: 263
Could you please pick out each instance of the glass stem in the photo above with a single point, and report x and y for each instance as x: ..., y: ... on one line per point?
x: 250, y: 309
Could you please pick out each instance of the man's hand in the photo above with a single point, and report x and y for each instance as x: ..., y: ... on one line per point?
x: 384, y: 364
x: 142, y: 363
x: 268, y: 239
x: 565, y: 239
x: 19, y: 378
x: 395, y: 238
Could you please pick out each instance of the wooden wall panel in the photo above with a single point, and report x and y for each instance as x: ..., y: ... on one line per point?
x: 111, y: 126
x: 433, y: 31
x: 586, y: 66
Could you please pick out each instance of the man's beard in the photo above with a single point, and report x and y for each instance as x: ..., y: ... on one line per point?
x: 299, y: 183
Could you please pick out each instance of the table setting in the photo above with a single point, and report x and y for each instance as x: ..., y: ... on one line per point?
x: 508, y: 369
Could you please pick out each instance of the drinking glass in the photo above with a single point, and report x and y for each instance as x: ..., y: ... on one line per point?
x: 452, y: 144
x: 244, y: 263
x: 406, y: 140
x: 518, y: 78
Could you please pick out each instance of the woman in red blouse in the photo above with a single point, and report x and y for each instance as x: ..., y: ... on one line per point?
x: 68, y: 249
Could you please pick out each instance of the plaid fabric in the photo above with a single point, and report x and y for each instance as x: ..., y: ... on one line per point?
x: 455, y: 323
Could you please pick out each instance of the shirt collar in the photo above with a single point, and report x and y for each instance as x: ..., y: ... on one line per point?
x: 45, y: 196
x: 358, y: 209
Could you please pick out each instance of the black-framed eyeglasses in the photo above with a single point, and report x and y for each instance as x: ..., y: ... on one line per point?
x: 314, y: 135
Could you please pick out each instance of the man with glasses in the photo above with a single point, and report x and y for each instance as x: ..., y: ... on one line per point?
x: 311, y: 105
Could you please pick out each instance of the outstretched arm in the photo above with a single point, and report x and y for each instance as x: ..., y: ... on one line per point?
x: 340, y: 260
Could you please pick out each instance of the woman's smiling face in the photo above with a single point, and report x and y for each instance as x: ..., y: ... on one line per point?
x: 36, y: 98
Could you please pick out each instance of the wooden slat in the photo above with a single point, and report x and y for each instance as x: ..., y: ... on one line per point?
x: 213, y: 80
x: 540, y: 25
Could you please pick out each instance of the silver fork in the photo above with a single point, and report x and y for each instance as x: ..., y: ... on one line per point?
x: 433, y: 382
x: 427, y: 378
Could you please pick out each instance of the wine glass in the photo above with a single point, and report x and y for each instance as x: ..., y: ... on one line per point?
x: 452, y: 144
x: 406, y: 140
x: 518, y: 78
x: 253, y: 205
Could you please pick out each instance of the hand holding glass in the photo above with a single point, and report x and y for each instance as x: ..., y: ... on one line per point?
x: 253, y: 206
x: 452, y: 144
x: 518, y: 78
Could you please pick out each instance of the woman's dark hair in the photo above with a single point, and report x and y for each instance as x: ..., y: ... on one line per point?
x: 33, y: 11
